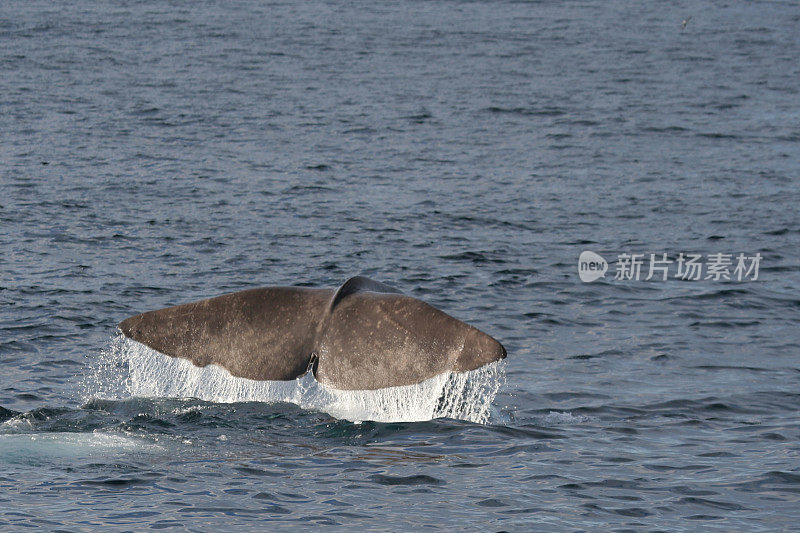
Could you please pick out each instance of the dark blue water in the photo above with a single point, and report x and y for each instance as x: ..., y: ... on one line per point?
x: 155, y: 153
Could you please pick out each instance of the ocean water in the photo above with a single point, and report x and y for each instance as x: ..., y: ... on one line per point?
x: 467, y: 152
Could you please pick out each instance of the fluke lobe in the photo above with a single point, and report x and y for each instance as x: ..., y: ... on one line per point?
x: 364, y: 335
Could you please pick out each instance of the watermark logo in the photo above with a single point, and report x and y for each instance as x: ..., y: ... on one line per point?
x: 685, y: 266
x: 591, y: 266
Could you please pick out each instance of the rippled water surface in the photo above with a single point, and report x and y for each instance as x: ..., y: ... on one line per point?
x: 466, y: 152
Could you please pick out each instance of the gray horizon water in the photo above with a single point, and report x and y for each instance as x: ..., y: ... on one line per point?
x: 466, y: 152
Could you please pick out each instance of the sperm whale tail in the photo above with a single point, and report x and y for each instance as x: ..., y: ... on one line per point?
x: 363, y: 336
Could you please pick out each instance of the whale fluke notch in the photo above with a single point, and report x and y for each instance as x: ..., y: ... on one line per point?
x: 365, y: 335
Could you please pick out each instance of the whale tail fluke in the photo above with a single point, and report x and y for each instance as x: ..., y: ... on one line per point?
x: 365, y: 335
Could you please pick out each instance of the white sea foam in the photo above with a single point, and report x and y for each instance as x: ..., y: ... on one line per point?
x: 36, y: 448
x: 127, y: 368
x: 555, y: 418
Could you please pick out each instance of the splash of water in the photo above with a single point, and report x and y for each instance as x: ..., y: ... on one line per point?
x: 127, y: 368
